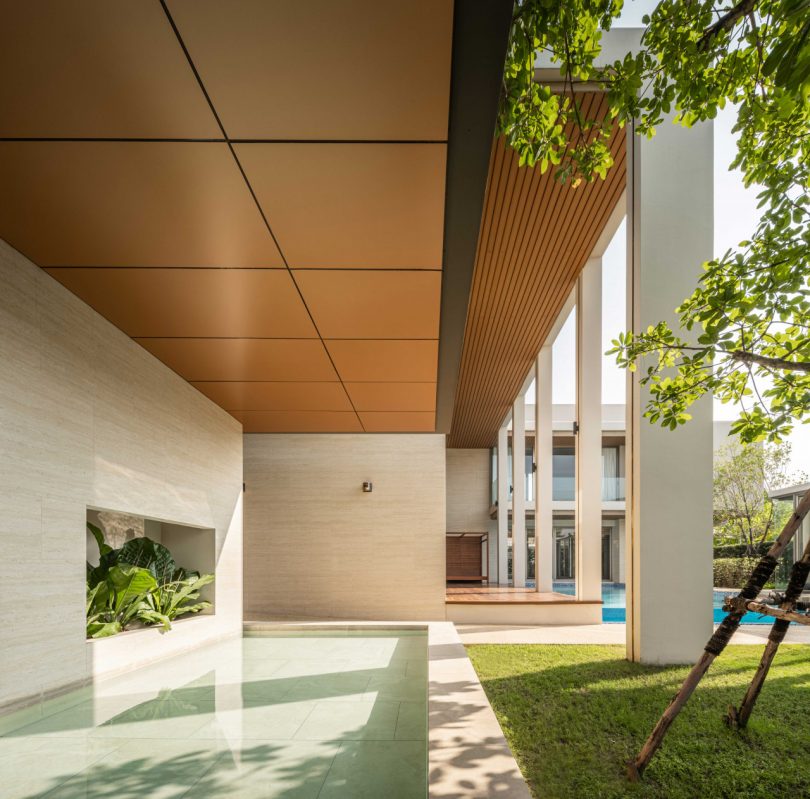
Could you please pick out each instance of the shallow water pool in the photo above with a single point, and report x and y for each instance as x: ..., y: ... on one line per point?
x: 268, y: 715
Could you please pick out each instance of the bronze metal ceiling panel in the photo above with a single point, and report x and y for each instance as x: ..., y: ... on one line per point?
x: 112, y: 203
x: 97, y: 69
x: 352, y: 206
x: 276, y: 396
x: 206, y: 303
x: 386, y: 361
x: 243, y: 359
x: 393, y: 397
x: 299, y: 421
x: 373, y: 304
x: 536, y: 235
x: 255, y: 191
x: 403, y: 422
x: 321, y: 69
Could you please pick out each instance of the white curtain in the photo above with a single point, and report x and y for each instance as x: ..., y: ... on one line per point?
x: 610, y: 473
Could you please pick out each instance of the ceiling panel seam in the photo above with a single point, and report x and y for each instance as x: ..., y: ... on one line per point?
x: 255, y: 199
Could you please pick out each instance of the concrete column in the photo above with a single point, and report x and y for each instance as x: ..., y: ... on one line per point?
x: 669, y: 473
x: 543, y: 476
x: 503, y: 506
x: 588, y: 523
x: 803, y: 533
x: 519, y: 492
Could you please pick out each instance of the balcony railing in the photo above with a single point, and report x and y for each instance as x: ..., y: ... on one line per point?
x: 564, y: 489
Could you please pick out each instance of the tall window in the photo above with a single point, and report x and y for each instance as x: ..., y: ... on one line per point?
x: 563, y: 465
x: 612, y: 478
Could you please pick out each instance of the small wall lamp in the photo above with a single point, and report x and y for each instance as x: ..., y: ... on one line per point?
x: 368, y: 487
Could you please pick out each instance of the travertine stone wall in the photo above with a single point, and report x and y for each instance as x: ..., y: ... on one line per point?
x: 468, y: 490
x: 90, y: 419
x: 320, y: 547
x: 468, y: 498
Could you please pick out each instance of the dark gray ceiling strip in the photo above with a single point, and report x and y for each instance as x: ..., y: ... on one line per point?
x: 480, y: 36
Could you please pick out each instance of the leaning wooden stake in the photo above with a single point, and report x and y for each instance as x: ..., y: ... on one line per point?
x: 718, y: 642
x: 738, y: 718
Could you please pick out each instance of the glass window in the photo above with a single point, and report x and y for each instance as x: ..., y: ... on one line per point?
x: 563, y: 470
x: 612, y: 479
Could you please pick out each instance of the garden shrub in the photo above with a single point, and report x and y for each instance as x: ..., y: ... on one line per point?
x: 732, y: 572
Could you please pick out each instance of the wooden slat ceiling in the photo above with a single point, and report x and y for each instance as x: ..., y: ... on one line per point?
x: 254, y: 191
x: 536, y: 235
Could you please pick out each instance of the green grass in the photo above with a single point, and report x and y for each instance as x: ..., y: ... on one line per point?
x: 574, y: 715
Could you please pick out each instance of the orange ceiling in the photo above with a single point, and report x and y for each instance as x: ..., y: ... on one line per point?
x: 263, y: 211
x: 536, y: 235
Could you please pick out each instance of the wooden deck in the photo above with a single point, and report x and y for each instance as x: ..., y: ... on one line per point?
x: 503, y: 595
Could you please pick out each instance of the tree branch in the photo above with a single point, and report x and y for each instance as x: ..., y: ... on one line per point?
x: 725, y: 23
x: 775, y: 363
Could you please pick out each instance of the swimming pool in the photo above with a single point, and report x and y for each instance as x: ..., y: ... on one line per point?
x: 613, y: 607
x: 268, y: 715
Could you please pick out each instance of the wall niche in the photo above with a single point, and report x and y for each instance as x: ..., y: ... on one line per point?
x: 192, y: 547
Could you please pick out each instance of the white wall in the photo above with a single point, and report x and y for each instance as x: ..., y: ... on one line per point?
x: 669, y: 542
x: 90, y: 419
x: 320, y: 547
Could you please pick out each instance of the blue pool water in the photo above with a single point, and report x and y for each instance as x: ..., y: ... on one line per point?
x: 613, y: 597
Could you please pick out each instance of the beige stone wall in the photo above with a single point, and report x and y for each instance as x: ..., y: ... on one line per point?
x: 90, y: 419
x: 468, y: 498
x: 468, y: 490
x: 320, y: 547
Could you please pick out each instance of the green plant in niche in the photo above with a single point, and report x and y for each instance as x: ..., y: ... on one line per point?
x: 138, y: 583
x: 178, y: 597
x: 118, y: 600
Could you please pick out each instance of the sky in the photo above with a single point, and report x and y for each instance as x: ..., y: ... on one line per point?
x: 735, y: 218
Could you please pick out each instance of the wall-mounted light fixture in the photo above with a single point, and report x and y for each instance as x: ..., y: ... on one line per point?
x: 368, y: 487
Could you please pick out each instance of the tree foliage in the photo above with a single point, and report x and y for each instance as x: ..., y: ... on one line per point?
x: 744, y: 476
x: 750, y: 312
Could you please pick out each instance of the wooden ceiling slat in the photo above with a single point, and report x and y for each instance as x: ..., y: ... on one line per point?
x: 535, y: 237
x: 560, y: 207
x: 596, y: 222
x: 548, y: 207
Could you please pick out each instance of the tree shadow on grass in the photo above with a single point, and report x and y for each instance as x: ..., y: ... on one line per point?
x: 574, y: 725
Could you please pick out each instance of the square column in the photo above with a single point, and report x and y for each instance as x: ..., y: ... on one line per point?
x: 519, y: 492
x: 669, y: 472
x: 544, y: 475
x: 503, y: 505
x: 588, y: 523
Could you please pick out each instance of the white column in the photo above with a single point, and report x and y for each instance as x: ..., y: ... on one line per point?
x: 589, y: 436
x: 543, y: 476
x: 669, y: 473
x: 519, y: 492
x: 503, y: 505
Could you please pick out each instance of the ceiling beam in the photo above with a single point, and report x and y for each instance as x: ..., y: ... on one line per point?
x: 480, y: 36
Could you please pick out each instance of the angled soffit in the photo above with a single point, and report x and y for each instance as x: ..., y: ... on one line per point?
x: 254, y: 191
x: 536, y: 235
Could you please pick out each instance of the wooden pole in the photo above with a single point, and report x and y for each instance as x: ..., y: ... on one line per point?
x: 738, y: 719
x: 718, y: 642
x: 780, y: 613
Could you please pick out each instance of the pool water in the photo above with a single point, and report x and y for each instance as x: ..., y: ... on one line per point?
x: 613, y: 607
x: 302, y: 715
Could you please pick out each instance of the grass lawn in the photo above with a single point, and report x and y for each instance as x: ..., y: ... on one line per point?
x: 574, y: 715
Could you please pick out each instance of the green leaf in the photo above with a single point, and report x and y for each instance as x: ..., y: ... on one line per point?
x: 149, y: 554
x: 103, y: 629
